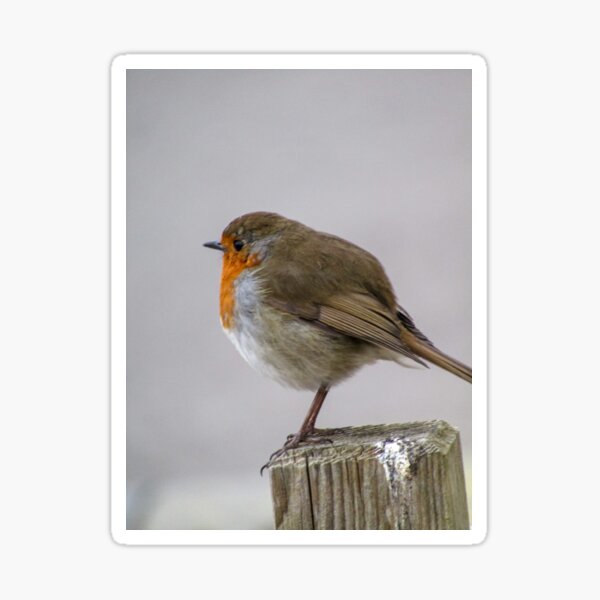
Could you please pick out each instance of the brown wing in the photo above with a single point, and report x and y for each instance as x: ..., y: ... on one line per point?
x: 334, y: 284
x: 356, y: 315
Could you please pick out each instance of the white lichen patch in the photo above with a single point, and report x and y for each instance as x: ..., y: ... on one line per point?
x: 394, y: 456
x: 397, y: 456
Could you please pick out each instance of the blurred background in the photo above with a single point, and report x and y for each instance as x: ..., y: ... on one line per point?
x: 381, y: 158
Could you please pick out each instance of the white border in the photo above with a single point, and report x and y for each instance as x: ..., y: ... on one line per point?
x: 119, y: 68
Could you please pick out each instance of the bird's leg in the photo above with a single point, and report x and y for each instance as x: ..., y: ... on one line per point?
x: 307, y: 428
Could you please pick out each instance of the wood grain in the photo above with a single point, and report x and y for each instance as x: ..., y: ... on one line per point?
x: 407, y: 476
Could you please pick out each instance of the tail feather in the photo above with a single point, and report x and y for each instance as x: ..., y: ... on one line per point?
x: 437, y: 357
x: 424, y: 348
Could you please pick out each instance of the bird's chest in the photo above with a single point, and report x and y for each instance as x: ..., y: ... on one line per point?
x: 243, y: 317
x: 240, y: 300
x: 239, y: 288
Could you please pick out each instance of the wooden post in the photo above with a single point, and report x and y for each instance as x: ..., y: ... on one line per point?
x: 407, y: 476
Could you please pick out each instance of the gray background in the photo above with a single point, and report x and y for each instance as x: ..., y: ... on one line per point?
x: 382, y: 158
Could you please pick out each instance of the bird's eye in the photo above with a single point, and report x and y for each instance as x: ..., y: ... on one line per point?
x: 238, y: 244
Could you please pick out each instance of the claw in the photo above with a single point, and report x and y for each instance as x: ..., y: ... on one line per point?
x: 294, y: 441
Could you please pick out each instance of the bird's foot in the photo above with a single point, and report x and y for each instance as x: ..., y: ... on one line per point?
x: 294, y: 440
x: 315, y: 436
x: 326, y: 434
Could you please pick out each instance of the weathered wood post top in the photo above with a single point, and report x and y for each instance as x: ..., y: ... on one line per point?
x: 407, y: 476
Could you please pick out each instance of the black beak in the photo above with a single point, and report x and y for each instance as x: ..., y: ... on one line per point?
x: 215, y: 246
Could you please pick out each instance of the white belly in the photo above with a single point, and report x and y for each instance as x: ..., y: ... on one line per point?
x: 291, y: 351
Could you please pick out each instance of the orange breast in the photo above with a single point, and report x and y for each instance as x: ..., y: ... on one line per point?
x: 233, y: 264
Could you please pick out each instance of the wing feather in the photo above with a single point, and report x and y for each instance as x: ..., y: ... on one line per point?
x: 356, y: 315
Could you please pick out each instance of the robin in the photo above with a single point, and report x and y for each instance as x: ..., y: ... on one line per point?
x: 309, y: 309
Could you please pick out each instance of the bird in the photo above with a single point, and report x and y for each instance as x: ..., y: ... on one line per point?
x: 309, y: 309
